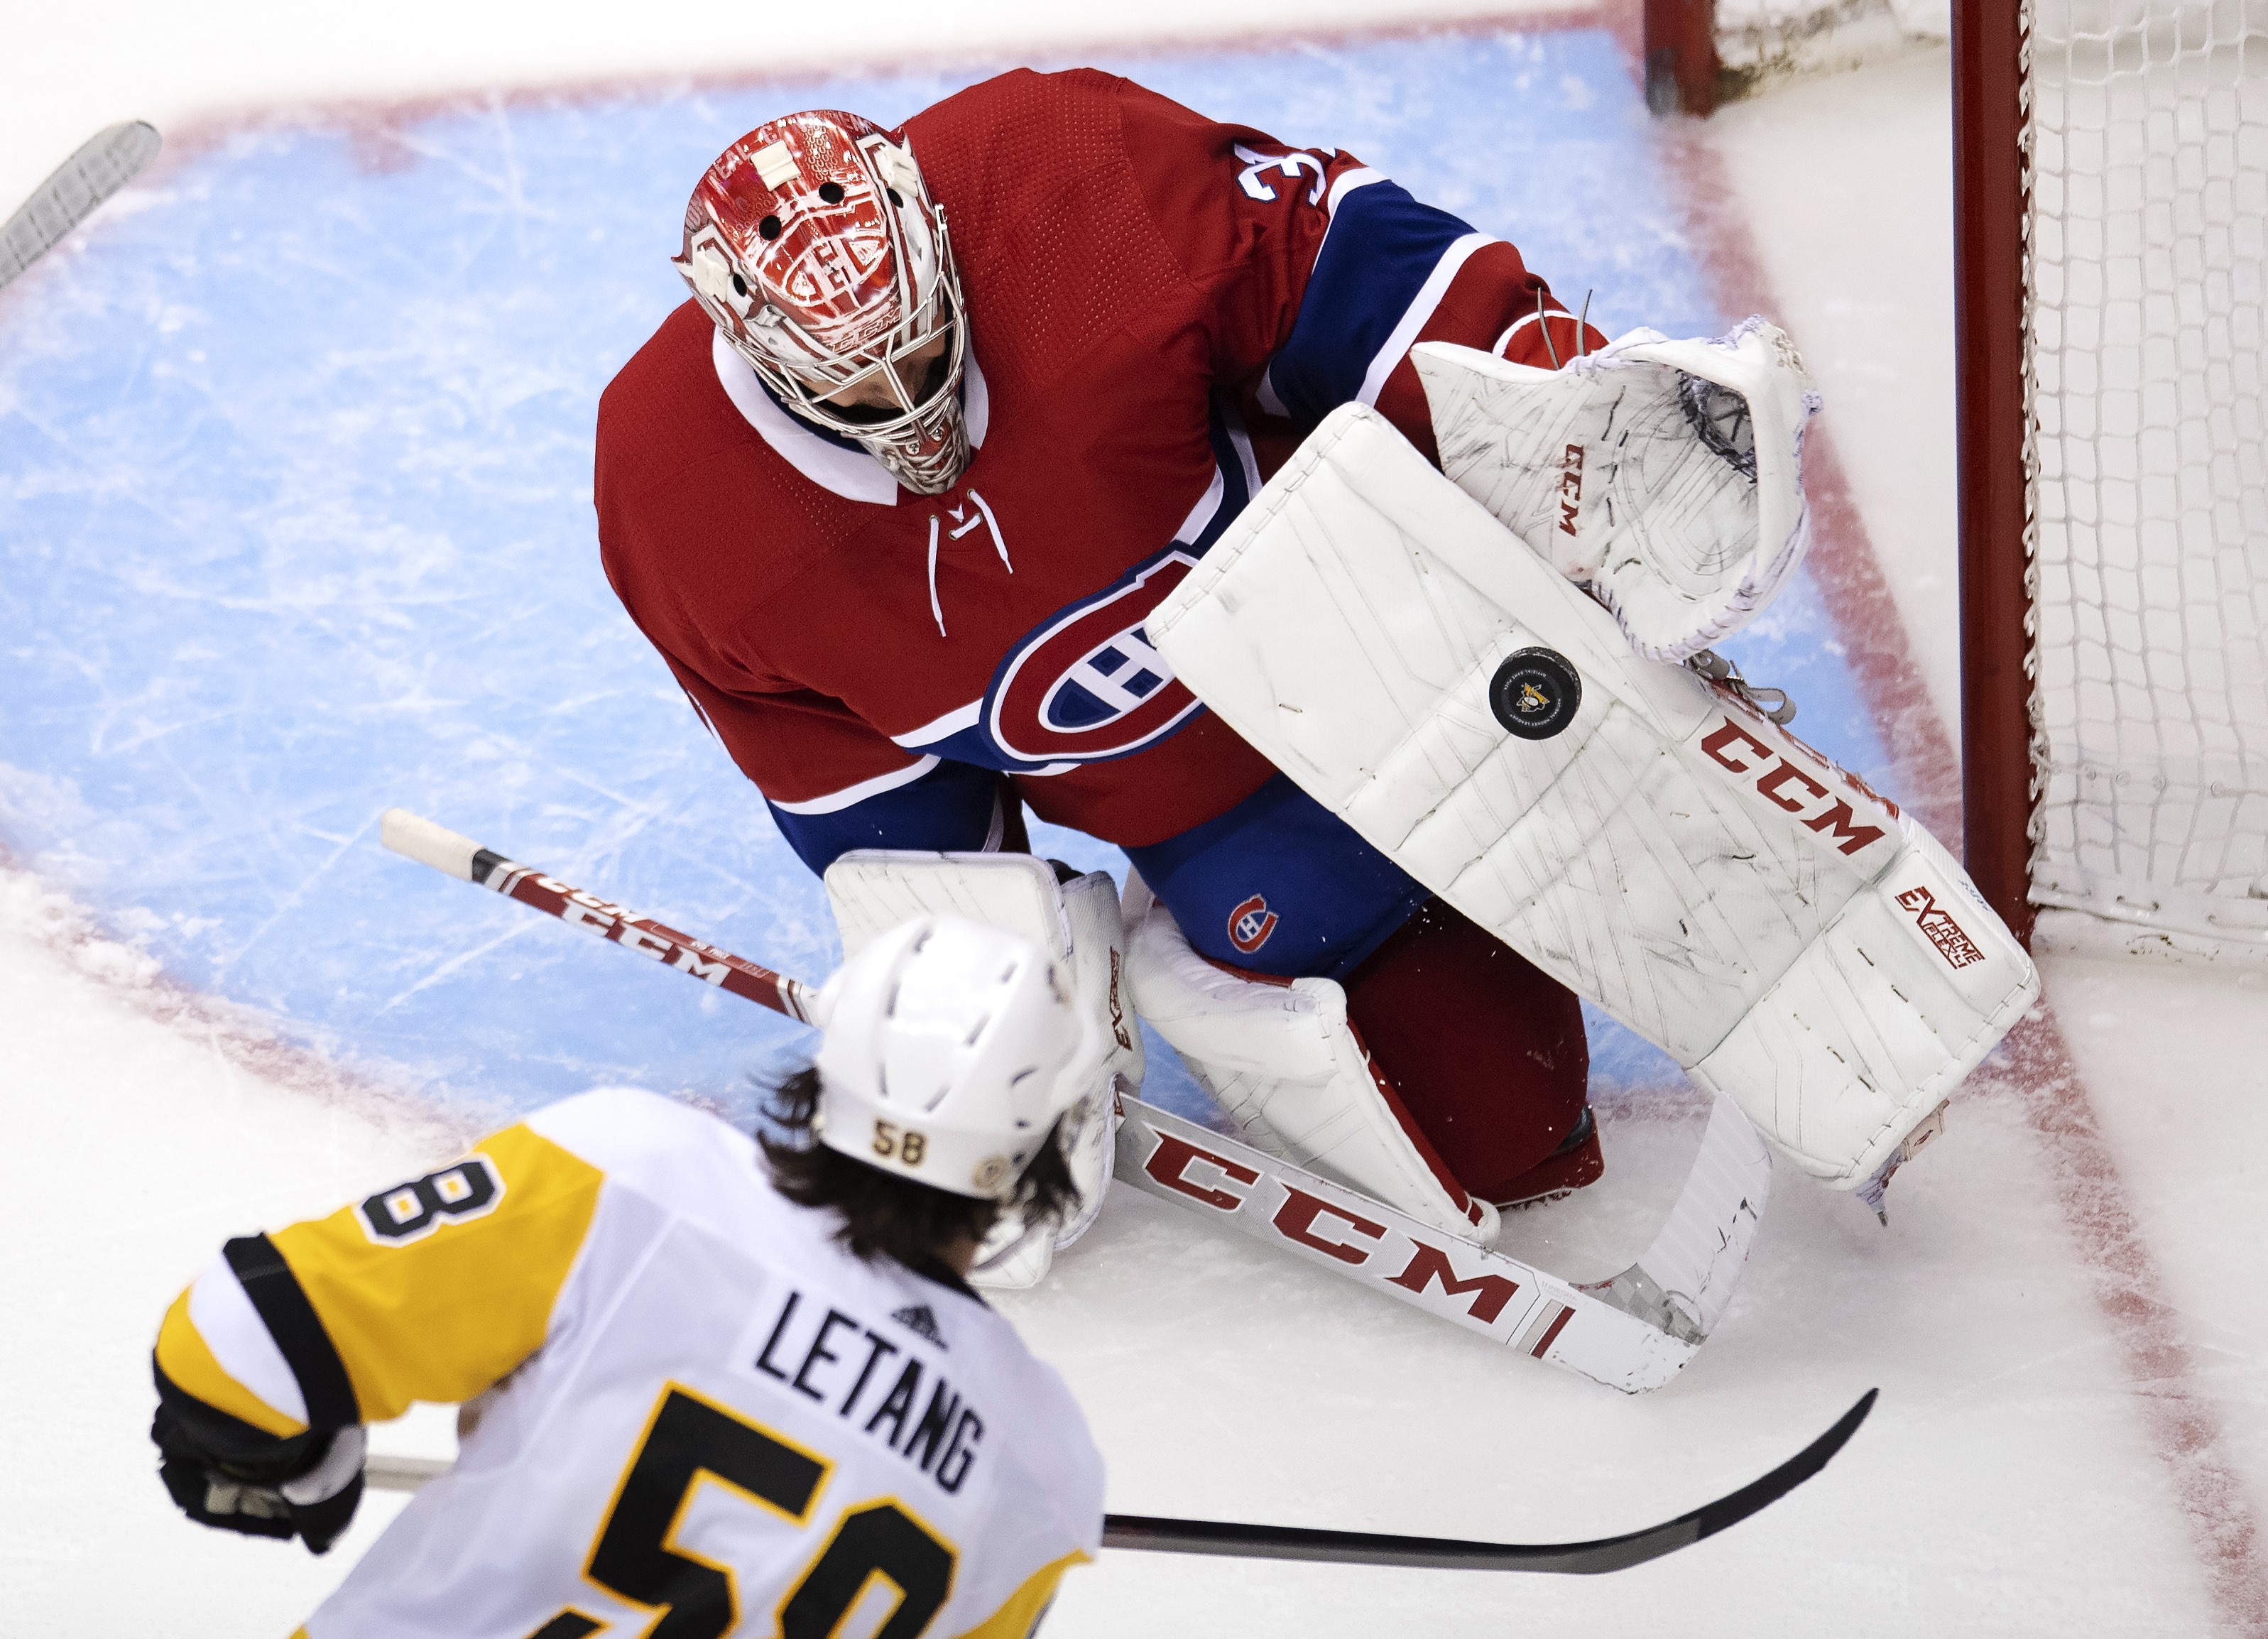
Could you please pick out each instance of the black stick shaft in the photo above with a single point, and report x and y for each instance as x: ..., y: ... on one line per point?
x: 1143, y: 1533
x: 1569, y: 1559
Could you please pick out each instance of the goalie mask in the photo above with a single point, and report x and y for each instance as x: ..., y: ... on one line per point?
x: 813, y: 244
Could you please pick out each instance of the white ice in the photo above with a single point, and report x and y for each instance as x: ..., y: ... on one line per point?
x: 2013, y: 1480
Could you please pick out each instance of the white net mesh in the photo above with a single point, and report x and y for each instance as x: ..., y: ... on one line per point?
x: 1761, y: 43
x: 2148, y: 284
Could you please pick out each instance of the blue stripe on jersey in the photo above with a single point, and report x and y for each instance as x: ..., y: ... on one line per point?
x: 947, y: 809
x: 1279, y: 884
x: 1381, y: 247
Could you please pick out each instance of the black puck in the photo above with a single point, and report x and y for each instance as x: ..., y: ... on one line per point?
x: 1535, y: 693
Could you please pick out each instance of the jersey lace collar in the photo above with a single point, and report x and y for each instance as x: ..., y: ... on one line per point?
x: 834, y: 464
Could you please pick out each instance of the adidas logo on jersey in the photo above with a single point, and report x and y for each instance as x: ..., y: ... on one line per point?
x: 918, y: 1319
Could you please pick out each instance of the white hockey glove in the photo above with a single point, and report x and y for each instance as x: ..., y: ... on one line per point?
x: 1078, y: 923
x: 1668, y: 476
x: 1280, y: 1058
x: 1642, y: 836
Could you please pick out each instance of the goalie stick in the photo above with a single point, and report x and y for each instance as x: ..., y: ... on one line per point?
x: 103, y: 164
x: 460, y: 857
x: 1632, y: 1333
x: 1364, y: 1548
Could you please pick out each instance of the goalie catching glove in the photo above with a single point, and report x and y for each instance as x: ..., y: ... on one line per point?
x: 1667, y: 475
x: 1641, y: 834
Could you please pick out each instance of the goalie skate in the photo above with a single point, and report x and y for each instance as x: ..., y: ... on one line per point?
x: 1667, y: 475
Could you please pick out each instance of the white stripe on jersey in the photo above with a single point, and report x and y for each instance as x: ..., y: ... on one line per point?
x: 231, y: 1328
x: 1420, y: 309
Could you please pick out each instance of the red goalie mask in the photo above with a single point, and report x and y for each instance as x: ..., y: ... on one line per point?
x: 813, y: 244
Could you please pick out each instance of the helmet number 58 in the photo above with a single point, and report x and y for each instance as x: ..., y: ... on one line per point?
x: 908, y: 1145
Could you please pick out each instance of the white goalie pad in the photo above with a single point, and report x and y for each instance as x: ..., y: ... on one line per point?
x: 1784, y: 934
x: 1079, y: 925
x: 1279, y: 1057
x: 1668, y: 475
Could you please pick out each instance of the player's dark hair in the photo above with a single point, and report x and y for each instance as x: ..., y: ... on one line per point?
x: 886, y: 1214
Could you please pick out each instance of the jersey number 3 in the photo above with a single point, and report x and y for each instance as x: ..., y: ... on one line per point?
x: 689, y: 1437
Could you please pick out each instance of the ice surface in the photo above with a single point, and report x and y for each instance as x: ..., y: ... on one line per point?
x: 295, y: 522
x: 344, y: 559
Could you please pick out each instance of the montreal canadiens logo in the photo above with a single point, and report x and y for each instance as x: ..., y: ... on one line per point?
x: 1250, y: 924
x: 1087, y: 684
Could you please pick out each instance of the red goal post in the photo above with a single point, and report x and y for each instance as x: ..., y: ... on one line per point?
x: 1998, y: 572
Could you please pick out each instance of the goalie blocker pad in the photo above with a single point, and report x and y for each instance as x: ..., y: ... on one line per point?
x: 1280, y: 1058
x: 1642, y: 836
x: 1079, y: 925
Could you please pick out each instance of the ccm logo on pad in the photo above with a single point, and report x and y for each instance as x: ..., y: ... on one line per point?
x: 1785, y: 786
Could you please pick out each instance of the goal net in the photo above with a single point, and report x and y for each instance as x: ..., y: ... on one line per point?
x: 2111, y: 198
x: 1761, y: 43
x: 2147, y: 301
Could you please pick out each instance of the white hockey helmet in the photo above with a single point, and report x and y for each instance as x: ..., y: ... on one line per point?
x: 950, y: 1049
x: 815, y: 246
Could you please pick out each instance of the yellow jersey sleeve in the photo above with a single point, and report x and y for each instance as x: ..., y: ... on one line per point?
x: 1016, y: 1618
x: 432, y: 1289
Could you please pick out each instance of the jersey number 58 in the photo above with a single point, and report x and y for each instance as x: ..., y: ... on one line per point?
x: 689, y: 1436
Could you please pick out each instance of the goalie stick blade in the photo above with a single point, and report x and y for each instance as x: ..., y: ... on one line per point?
x: 1143, y: 1533
x: 1685, y: 1281
x: 1604, y: 1336
x: 105, y: 163
x: 1568, y: 1559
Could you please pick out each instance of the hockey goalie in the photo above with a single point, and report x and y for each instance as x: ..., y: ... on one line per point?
x: 951, y: 436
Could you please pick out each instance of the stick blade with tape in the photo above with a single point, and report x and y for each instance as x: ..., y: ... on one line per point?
x: 414, y: 837
x: 105, y: 163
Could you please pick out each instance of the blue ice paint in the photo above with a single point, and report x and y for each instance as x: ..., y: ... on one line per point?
x: 294, y: 524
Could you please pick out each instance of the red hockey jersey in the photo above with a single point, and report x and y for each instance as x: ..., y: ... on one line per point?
x: 1155, y: 302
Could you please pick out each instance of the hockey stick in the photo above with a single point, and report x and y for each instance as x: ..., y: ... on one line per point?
x: 1364, y: 1548
x: 1629, y: 1334
x: 1632, y: 1333
x: 462, y: 858
x: 105, y: 163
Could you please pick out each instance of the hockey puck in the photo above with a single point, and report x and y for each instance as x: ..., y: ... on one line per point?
x: 1535, y: 693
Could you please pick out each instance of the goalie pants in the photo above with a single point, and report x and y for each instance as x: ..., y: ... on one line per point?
x: 1486, y: 1051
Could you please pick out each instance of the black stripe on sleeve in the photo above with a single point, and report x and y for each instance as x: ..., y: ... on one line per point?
x: 568, y: 1625
x: 291, y: 1320
x: 186, y: 1421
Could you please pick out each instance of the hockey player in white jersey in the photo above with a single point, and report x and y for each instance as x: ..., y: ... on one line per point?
x: 701, y: 1384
